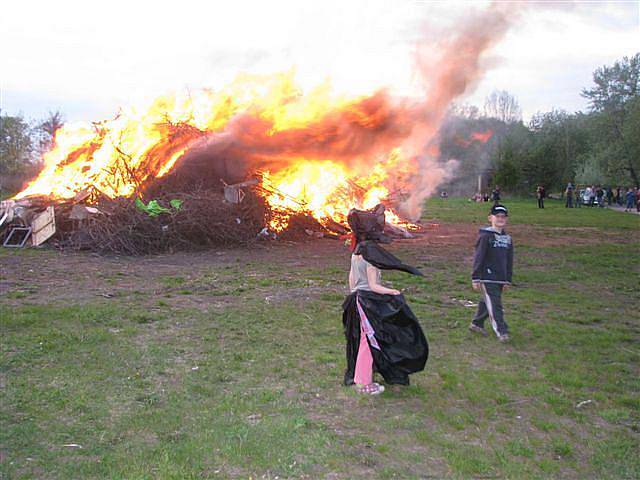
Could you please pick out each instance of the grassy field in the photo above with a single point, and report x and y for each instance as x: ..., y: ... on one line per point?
x: 227, y: 364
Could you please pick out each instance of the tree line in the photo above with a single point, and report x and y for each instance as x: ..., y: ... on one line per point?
x: 600, y: 146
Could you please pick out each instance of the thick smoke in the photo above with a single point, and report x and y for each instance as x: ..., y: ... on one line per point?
x: 449, y: 68
x: 360, y: 133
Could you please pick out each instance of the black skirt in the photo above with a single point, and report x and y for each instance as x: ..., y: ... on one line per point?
x: 403, y: 348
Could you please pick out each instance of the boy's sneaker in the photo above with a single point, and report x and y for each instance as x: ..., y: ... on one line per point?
x: 475, y: 328
x: 504, y: 338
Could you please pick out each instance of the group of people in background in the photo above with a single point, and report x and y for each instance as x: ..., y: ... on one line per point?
x: 576, y: 197
x: 485, y: 197
x: 596, y: 195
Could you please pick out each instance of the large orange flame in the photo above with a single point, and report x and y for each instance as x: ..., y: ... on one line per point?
x: 316, y: 153
x: 328, y: 190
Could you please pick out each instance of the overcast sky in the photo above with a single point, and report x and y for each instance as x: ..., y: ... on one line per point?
x: 87, y: 58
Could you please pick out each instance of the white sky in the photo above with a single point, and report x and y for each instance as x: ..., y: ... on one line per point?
x: 87, y: 58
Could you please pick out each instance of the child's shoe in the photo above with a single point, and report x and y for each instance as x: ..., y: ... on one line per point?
x: 475, y: 328
x: 504, y: 338
x: 371, y: 389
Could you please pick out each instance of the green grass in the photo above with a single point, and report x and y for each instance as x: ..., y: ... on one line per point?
x: 526, y: 212
x: 234, y: 370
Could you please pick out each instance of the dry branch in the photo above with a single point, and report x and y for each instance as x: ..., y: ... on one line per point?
x: 203, y: 220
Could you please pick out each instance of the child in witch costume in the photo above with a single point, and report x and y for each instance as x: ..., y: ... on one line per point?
x: 381, y: 330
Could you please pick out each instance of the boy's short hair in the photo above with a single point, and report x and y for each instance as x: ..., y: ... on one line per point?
x: 496, y: 209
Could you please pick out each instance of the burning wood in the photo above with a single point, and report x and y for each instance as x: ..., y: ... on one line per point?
x: 316, y: 156
x: 232, y: 215
x: 308, y: 161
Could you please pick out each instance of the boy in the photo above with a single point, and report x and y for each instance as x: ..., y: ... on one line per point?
x: 492, y: 271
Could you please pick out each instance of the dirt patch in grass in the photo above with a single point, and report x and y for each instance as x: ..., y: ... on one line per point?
x: 81, y: 277
x: 72, y: 277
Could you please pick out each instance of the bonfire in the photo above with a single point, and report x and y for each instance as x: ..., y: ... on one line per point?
x: 258, y: 158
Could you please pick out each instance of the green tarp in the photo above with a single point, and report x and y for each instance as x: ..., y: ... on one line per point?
x: 153, y: 208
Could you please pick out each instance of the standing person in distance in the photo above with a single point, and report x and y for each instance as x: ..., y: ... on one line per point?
x: 630, y: 199
x: 495, y: 195
x: 569, y: 193
x: 587, y: 195
x: 540, y: 194
x: 600, y: 196
x: 492, y: 272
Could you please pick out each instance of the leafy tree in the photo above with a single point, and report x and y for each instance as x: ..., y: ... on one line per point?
x: 560, y: 143
x: 613, y: 101
x: 511, y: 156
x: 615, y: 85
x: 22, y: 145
x: 601, y: 146
x: 589, y: 172
x: 507, y: 173
x: 16, y: 144
x: 631, y: 135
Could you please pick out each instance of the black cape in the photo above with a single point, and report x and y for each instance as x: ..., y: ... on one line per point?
x: 403, y: 346
x: 380, y: 258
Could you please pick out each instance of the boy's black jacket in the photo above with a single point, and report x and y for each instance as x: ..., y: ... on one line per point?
x: 493, y: 258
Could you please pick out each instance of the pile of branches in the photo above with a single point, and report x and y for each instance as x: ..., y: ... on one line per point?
x: 203, y: 220
x: 302, y: 226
